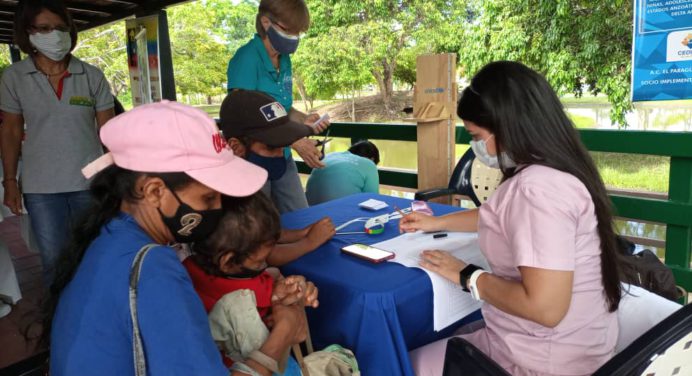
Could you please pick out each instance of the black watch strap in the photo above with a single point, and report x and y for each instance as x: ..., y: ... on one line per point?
x: 465, y: 274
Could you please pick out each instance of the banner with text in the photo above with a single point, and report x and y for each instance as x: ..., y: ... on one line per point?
x: 662, y: 50
x: 143, y: 59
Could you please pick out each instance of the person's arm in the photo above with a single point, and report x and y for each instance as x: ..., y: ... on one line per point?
x: 309, y: 119
x: 103, y: 116
x: 542, y: 296
x: 12, y: 131
x: 308, y: 151
x: 318, y: 233
x: 462, y: 221
x: 291, y: 236
x: 297, y: 116
x: 540, y: 224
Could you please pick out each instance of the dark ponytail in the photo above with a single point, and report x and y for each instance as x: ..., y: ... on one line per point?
x: 520, y: 108
x: 109, y: 188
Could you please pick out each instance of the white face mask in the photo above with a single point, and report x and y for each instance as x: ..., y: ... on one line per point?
x: 480, y: 148
x: 54, y: 45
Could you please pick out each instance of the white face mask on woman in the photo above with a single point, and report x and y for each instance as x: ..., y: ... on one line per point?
x: 55, y: 45
x: 480, y: 148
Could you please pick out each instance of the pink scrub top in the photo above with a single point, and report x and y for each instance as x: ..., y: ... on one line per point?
x: 544, y: 218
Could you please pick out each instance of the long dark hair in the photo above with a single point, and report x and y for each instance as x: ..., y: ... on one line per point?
x: 26, y: 13
x: 519, y: 107
x: 109, y: 188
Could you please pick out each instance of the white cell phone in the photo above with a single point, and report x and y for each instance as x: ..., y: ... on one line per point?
x: 367, y: 252
x: 321, y: 119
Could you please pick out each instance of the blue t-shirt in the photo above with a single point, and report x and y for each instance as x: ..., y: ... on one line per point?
x: 252, y: 69
x: 344, y: 174
x: 92, y: 329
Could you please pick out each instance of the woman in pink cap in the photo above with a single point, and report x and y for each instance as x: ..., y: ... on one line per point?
x: 122, y: 303
x: 547, y: 233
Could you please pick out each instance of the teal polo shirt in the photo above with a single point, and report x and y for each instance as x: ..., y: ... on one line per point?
x: 252, y: 69
x: 344, y: 174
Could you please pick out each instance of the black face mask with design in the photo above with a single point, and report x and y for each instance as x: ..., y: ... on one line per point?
x: 246, y: 272
x: 189, y: 225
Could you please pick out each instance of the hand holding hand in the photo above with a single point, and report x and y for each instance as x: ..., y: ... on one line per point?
x: 289, y: 290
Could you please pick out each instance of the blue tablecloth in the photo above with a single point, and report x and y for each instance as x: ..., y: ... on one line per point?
x: 380, y: 311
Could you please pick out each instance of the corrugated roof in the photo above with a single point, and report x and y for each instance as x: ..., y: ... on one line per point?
x: 87, y: 13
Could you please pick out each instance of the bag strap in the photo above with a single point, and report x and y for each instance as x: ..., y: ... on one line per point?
x: 137, y: 348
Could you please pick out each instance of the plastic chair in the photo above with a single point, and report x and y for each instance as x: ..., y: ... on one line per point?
x: 470, y: 178
x: 664, y: 349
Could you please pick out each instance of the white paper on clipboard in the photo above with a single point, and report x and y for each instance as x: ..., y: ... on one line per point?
x: 450, y: 302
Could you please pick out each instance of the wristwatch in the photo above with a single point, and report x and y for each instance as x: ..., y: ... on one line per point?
x: 472, y: 284
x: 465, y: 274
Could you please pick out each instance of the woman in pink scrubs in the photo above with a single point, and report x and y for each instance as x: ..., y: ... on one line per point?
x: 547, y: 232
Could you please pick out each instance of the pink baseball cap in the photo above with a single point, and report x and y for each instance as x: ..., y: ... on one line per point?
x: 172, y: 137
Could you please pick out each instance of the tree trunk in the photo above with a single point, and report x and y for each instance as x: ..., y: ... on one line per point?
x: 353, y: 105
x: 385, y: 82
x: 209, y: 101
x: 303, y: 94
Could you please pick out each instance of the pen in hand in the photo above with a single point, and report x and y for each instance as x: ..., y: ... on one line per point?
x: 399, y: 211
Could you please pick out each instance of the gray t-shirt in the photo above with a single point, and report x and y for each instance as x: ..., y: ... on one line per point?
x: 61, y: 135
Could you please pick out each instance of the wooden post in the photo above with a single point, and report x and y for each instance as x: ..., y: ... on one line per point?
x: 434, y: 108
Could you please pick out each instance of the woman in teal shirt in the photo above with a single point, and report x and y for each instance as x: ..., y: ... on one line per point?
x: 264, y: 64
x: 346, y: 173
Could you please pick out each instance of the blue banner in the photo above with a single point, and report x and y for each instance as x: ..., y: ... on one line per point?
x: 662, y: 50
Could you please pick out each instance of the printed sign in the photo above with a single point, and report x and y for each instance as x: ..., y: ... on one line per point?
x: 662, y: 50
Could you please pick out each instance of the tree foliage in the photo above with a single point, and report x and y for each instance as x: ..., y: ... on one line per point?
x: 381, y: 31
x: 199, y: 48
x: 580, y: 46
x: 104, y: 47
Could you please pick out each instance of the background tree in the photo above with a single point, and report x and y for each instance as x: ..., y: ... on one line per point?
x: 105, y: 48
x: 329, y: 65
x: 385, y: 28
x: 580, y: 46
x: 200, y: 52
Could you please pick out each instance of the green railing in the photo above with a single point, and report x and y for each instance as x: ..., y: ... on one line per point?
x: 675, y: 212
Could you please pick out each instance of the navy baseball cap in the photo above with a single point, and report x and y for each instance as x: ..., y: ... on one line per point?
x: 252, y: 114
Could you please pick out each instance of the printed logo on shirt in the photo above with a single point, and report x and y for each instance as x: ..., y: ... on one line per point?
x: 82, y: 101
x: 273, y: 111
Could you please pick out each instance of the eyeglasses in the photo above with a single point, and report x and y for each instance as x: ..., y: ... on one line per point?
x: 45, y: 29
x: 283, y: 31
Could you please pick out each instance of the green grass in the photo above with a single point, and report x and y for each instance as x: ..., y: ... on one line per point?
x: 636, y: 172
x: 582, y: 121
x: 212, y: 110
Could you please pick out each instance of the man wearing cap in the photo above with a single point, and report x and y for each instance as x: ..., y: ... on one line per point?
x: 257, y: 128
x: 122, y: 302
